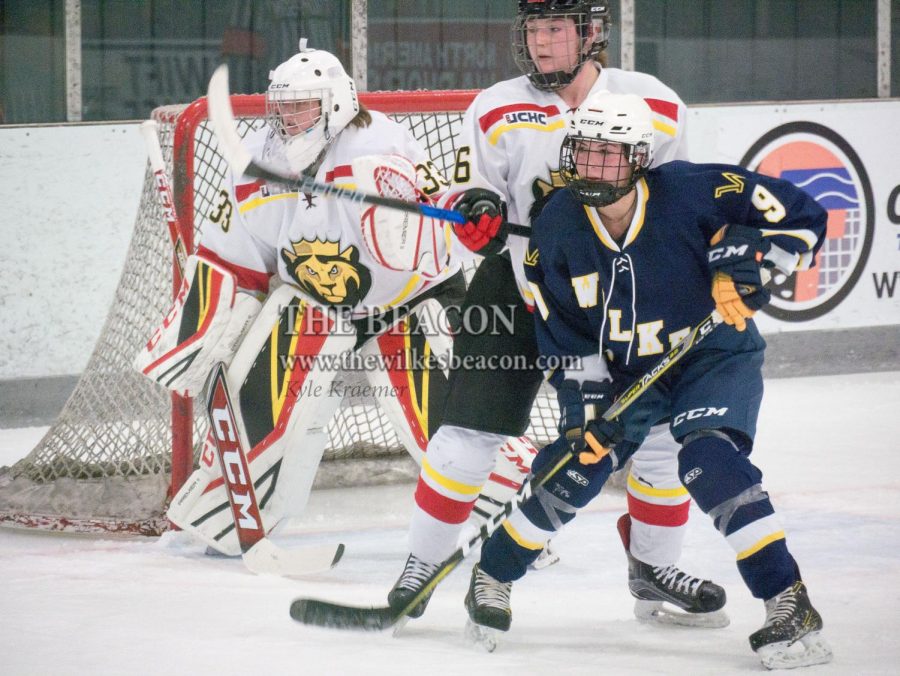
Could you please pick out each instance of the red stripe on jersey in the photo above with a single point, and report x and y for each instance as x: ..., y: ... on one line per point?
x: 441, y: 507
x: 664, y: 108
x: 487, y: 120
x: 252, y: 280
x: 343, y: 171
x: 243, y: 191
x: 658, y: 515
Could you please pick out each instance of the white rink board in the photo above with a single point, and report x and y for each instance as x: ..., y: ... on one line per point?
x: 71, y: 192
x: 726, y: 134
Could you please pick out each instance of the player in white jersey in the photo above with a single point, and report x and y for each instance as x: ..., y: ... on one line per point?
x: 357, y: 287
x: 507, y: 167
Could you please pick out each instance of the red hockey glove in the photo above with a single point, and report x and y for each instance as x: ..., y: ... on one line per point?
x: 484, y: 231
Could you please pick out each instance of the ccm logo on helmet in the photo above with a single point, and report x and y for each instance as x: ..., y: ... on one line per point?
x: 695, y: 413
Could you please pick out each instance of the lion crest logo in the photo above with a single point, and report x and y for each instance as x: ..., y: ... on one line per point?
x: 326, y: 273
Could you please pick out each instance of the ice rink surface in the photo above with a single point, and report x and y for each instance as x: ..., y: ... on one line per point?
x: 829, y: 448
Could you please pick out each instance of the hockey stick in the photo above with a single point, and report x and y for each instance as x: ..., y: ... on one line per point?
x: 259, y: 553
x: 339, y: 616
x: 149, y: 129
x: 225, y: 128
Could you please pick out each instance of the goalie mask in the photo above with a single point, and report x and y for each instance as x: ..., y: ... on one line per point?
x: 309, y: 101
x: 608, y: 147
x: 552, y: 39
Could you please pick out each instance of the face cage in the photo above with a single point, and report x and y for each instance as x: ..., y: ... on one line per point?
x: 560, y: 78
x: 277, y: 107
x: 600, y: 193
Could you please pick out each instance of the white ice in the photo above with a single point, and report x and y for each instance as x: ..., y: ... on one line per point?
x: 828, y: 447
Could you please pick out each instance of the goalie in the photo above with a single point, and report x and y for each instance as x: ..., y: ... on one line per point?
x: 371, y: 282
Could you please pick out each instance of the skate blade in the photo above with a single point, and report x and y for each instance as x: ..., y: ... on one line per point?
x: 807, y: 651
x: 482, y: 637
x: 546, y: 559
x: 658, y: 612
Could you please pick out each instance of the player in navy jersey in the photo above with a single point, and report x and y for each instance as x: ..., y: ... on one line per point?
x: 507, y: 168
x: 621, y: 265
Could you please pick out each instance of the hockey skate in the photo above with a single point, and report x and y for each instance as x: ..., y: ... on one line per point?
x: 792, y: 634
x: 411, y: 580
x: 489, y: 613
x: 668, y: 595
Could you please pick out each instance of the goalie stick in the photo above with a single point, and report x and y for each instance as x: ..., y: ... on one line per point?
x: 225, y: 128
x: 339, y: 616
x: 150, y: 131
x: 259, y: 553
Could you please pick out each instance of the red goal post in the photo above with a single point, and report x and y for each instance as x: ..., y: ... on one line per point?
x: 122, y: 446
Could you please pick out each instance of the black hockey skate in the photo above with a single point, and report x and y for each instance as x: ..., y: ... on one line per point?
x: 411, y: 580
x: 791, y: 636
x: 668, y: 595
x: 488, y: 605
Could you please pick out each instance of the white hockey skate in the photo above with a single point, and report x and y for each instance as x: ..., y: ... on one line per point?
x: 792, y: 634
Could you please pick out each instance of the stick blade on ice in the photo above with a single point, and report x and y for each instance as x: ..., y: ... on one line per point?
x: 267, y: 558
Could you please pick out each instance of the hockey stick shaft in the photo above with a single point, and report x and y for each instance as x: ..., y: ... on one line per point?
x: 259, y: 553
x: 150, y: 132
x: 338, y: 616
x: 241, y: 162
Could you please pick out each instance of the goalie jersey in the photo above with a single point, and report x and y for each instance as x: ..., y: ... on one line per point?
x: 635, y: 298
x: 313, y: 242
x: 512, y: 133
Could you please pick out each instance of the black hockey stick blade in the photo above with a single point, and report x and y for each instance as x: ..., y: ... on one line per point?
x: 336, y: 616
x: 222, y: 117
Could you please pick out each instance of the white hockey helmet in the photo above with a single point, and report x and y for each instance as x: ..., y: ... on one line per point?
x: 594, y: 174
x: 312, y: 75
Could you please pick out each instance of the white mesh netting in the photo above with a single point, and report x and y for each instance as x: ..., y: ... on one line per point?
x: 106, y: 463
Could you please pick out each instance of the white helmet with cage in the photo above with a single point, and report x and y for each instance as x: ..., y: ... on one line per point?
x: 594, y: 174
x: 592, y: 23
x: 309, y: 101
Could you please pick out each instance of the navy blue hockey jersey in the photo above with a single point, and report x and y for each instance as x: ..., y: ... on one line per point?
x: 636, y: 297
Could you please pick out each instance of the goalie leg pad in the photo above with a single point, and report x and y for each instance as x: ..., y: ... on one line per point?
x: 203, y: 327
x: 283, y: 411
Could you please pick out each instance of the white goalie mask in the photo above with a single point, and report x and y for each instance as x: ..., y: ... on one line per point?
x: 608, y: 147
x: 309, y: 101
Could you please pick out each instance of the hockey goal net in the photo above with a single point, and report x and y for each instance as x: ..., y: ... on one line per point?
x: 121, y: 445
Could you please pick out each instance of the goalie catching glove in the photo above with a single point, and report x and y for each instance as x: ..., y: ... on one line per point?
x: 399, y: 240
x: 589, y: 435
x: 735, y: 258
x: 204, y: 326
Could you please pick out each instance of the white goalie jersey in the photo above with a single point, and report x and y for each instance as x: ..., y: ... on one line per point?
x: 512, y: 134
x: 336, y: 251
